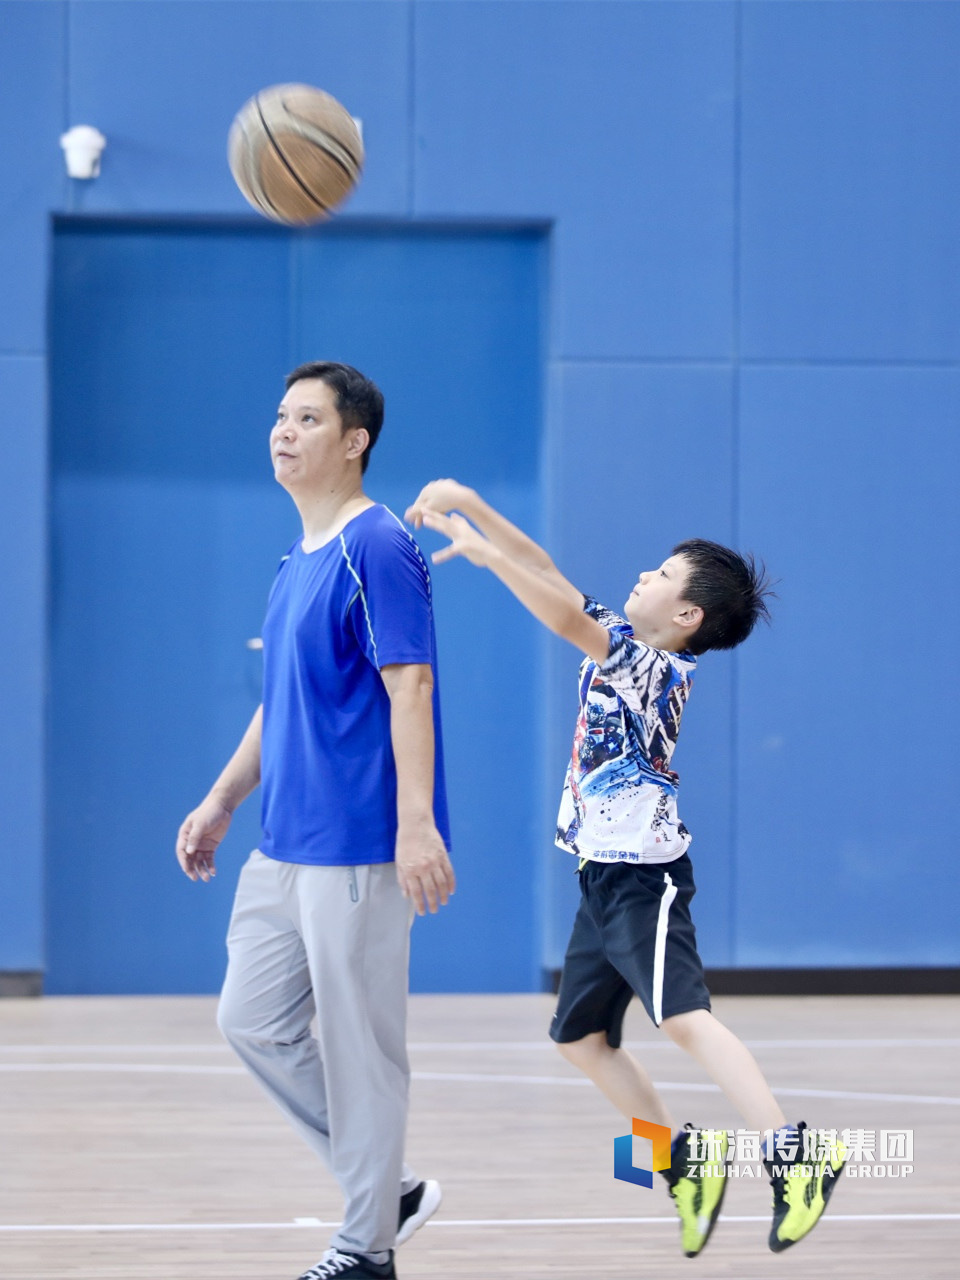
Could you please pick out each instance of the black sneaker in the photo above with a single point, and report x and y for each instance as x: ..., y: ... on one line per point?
x: 697, y: 1186
x: 416, y: 1207
x: 335, y: 1265
x: 801, y: 1189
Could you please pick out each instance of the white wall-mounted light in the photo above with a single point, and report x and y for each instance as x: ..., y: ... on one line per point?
x: 82, y: 146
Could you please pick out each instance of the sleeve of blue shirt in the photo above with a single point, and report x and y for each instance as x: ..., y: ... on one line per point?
x: 395, y: 621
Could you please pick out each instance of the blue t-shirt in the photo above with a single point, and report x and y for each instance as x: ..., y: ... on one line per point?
x: 335, y: 617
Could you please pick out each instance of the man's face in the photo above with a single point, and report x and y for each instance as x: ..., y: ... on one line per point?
x: 307, y: 444
x: 657, y: 598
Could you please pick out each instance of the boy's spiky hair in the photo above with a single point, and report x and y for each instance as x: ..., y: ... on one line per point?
x: 731, y: 589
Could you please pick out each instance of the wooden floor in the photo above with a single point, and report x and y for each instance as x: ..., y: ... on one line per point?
x: 132, y: 1145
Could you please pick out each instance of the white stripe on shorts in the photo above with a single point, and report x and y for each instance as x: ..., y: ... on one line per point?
x: 660, y: 946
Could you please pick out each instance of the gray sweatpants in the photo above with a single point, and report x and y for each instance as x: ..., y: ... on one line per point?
x: 335, y: 942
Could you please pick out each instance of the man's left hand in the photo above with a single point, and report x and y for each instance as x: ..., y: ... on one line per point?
x: 423, y: 867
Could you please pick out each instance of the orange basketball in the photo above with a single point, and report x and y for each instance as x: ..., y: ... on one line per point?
x: 295, y: 153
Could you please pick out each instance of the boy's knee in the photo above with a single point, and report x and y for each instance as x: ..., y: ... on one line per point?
x: 587, y: 1049
x: 683, y: 1028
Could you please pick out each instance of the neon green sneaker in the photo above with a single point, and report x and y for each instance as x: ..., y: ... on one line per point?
x: 801, y: 1190
x: 697, y: 1179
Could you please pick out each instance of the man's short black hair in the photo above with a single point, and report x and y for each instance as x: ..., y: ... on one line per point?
x: 359, y: 401
x: 731, y: 590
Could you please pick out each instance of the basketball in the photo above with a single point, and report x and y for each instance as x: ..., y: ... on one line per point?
x: 295, y: 153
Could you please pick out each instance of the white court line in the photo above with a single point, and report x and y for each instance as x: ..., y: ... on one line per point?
x: 300, y: 1224
x: 684, y: 1087
x: 464, y: 1077
x: 497, y: 1046
x: 114, y: 1048
x: 133, y: 1068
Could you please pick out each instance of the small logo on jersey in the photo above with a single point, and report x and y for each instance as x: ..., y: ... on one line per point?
x: 623, y: 1166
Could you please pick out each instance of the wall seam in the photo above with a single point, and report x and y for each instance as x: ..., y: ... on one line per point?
x: 411, y: 107
x: 68, y: 201
x: 758, y: 362
x: 735, y: 462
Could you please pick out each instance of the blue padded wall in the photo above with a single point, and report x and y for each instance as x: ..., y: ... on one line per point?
x: 655, y: 469
x: 23, y: 557
x: 847, y: 741
x: 169, y: 347
x: 617, y: 121
x: 753, y: 283
x: 32, y: 46
x: 850, y: 205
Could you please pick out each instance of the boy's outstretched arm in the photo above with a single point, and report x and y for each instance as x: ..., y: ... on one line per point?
x: 537, y: 591
x: 444, y: 496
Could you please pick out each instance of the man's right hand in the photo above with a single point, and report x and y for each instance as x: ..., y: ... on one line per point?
x: 438, y: 495
x: 200, y: 833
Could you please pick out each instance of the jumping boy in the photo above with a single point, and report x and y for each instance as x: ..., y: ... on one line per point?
x: 618, y: 814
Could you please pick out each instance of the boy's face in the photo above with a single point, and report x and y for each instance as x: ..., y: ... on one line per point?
x: 657, y: 599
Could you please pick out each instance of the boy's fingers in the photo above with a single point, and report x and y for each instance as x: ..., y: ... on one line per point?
x: 447, y: 553
x: 434, y: 519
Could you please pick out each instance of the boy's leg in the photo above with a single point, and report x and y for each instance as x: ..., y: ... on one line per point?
x: 729, y: 1063
x: 619, y: 910
x: 618, y: 1075
x: 643, y: 917
x: 588, y: 1023
x: 801, y: 1187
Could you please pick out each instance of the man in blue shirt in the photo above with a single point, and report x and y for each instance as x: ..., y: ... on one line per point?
x: 347, y: 750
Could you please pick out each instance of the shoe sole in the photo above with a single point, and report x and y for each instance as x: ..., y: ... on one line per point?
x: 429, y: 1204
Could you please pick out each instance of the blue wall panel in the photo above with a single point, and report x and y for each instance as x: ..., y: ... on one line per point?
x: 168, y: 355
x: 772, y: 182
x: 643, y: 459
x: 158, y: 583
x: 849, y: 742
x: 617, y: 121
x: 23, y: 565
x: 166, y: 531
x: 850, y: 201
x: 449, y: 323
x: 453, y: 339
x: 167, y: 132
x: 31, y: 104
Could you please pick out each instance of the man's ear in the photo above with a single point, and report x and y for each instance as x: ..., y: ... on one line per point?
x: 359, y: 439
x: 689, y: 618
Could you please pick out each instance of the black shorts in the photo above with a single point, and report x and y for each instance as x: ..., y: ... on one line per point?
x: 633, y: 934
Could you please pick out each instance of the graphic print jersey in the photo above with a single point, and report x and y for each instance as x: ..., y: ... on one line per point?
x: 619, y: 800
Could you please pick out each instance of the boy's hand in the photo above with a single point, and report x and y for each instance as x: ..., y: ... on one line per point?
x: 438, y: 495
x: 465, y: 540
